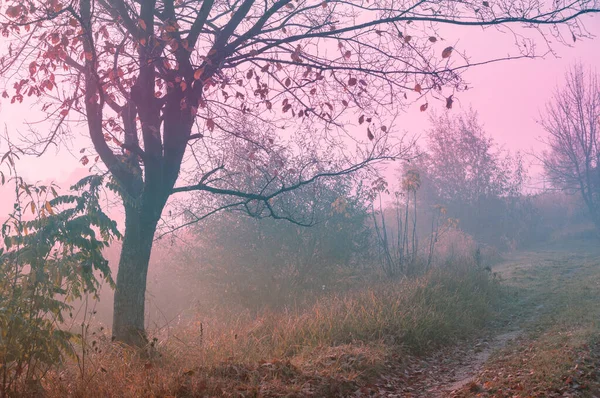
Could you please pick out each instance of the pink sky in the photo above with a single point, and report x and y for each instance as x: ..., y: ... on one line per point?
x: 508, y: 96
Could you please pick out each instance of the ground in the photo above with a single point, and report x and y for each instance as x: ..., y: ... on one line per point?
x: 544, y: 344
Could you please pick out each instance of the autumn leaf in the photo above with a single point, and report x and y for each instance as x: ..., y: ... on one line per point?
x: 249, y: 74
x: 32, y: 208
x: 370, y: 134
x: 347, y: 54
x: 210, y: 124
x: 142, y: 24
x: 198, y: 73
x: 352, y: 81
x: 288, y: 82
x: 447, y: 52
x: 449, y: 102
x: 423, y: 107
x: 486, y: 4
x: 14, y: 11
x: 32, y: 68
x: 49, y: 208
x: 361, y: 119
x: 418, y: 88
x: 432, y: 39
x: 384, y: 129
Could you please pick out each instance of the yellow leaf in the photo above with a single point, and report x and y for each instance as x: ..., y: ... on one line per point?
x: 32, y: 208
x: 49, y: 208
x: 142, y: 24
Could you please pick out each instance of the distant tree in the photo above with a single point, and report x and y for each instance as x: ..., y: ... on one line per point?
x: 471, y: 175
x: 252, y: 260
x: 159, y: 82
x: 572, y: 124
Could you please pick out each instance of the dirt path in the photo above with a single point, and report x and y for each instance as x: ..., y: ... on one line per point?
x: 455, y: 370
x: 439, y: 375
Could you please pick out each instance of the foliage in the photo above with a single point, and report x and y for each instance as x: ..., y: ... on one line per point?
x: 51, y: 256
x: 473, y: 178
x: 253, y: 262
x: 572, y: 122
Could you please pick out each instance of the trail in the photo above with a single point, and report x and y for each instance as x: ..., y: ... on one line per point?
x: 445, y: 372
x: 453, y: 372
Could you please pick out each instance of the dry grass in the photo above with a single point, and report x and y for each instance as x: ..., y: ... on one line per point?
x: 329, y: 349
x: 559, y: 353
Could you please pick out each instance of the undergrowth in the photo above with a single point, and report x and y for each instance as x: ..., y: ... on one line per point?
x: 328, y: 349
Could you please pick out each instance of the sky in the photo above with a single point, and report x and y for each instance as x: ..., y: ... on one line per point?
x: 508, y: 96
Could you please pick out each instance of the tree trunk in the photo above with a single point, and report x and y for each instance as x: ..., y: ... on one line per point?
x: 130, y: 293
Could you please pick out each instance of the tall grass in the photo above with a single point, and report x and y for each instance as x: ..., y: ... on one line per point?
x: 341, y: 336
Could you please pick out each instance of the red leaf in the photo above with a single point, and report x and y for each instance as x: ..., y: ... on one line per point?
x: 210, y: 124
x: 418, y: 88
x: 361, y: 119
x: 447, y: 52
x: 84, y: 160
x: 384, y: 129
x: 370, y: 134
x: 249, y: 74
x: 198, y: 73
x: 14, y: 11
x: 449, y: 102
x: 432, y: 39
x: 352, y: 81
x: 32, y: 68
x: 287, y: 82
x: 347, y: 54
x: 423, y: 107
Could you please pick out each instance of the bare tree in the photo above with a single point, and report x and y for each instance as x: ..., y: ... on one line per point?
x: 572, y: 124
x: 164, y: 84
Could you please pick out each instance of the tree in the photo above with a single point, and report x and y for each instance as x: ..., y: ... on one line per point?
x: 572, y: 124
x: 471, y: 175
x: 256, y: 261
x: 155, y: 80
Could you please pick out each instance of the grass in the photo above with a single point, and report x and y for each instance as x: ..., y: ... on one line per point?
x: 558, y: 353
x: 330, y: 349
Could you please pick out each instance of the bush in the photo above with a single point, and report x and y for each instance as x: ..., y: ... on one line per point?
x: 47, y: 261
